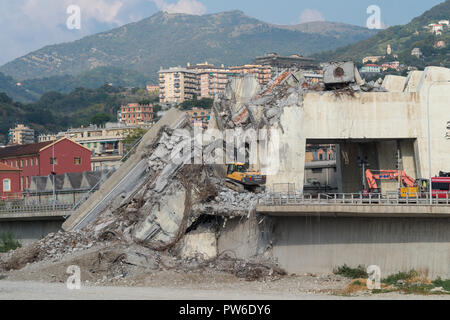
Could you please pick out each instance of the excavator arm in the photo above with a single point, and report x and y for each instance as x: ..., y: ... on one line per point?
x: 407, y: 180
x: 372, y: 177
x: 371, y: 180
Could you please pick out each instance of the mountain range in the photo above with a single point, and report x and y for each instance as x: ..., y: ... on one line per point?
x: 131, y: 55
x: 164, y: 39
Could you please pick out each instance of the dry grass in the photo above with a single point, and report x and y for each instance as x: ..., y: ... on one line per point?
x: 358, y: 285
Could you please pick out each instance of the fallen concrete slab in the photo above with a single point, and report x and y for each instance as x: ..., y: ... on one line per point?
x: 132, y: 172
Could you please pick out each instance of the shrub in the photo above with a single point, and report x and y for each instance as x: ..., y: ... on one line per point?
x: 353, y: 273
x: 392, y: 279
x: 442, y: 283
x: 7, y: 242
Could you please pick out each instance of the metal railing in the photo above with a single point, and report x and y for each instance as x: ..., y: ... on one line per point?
x: 12, y: 208
x: 297, y: 198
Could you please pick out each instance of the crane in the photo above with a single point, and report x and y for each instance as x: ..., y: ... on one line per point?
x: 411, y: 186
x: 373, y: 175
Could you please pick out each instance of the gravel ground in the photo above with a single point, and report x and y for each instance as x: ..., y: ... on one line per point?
x: 105, y: 280
x: 28, y: 290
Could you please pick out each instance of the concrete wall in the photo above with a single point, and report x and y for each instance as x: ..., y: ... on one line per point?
x: 318, y: 244
x: 366, y: 116
x: 27, y: 232
x: 291, y: 150
x: 240, y: 237
x: 304, y: 244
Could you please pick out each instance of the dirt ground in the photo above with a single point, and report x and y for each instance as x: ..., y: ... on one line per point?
x: 28, y: 290
x: 190, y: 277
x: 100, y: 280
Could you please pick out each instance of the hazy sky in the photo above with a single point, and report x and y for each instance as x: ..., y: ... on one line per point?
x: 27, y: 25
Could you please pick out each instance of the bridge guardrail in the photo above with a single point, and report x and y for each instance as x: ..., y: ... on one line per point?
x: 296, y: 198
x: 12, y: 208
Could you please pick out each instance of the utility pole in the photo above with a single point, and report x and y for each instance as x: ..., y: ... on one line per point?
x: 53, y: 174
x: 363, y: 163
x: 399, y: 167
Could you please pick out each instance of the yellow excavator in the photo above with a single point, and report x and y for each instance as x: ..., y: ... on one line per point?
x: 240, y: 178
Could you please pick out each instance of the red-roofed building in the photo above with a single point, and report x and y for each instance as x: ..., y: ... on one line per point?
x: 41, y: 159
x: 9, y: 182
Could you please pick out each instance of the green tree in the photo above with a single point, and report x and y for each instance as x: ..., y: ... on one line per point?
x: 4, y: 98
x: 100, y: 118
x: 132, y: 138
x: 156, y: 108
x: 7, y: 242
x: 205, y: 103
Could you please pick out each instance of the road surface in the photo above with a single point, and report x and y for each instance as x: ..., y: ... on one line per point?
x: 28, y: 290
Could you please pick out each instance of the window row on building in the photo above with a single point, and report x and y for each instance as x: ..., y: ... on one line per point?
x: 203, y: 80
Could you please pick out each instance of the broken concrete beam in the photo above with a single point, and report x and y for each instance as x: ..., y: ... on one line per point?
x: 338, y: 72
x: 241, y: 116
x: 124, y: 179
x: 165, y: 218
x: 394, y: 83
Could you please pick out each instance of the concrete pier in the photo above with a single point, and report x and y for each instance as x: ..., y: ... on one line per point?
x: 319, y: 244
x: 30, y: 227
x: 314, y: 243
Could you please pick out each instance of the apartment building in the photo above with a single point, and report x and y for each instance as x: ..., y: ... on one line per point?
x: 391, y: 65
x: 199, y: 117
x: 212, y: 80
x: 152, y: 89
x: 21, y: 135
x: 262, y: 73
x: 280, y: 64
x: 136, y: 114
x: 370, y: 68
x: 105, y: 143
x: 204, y: 80
x: 372, y: 59
x: 177, y: 84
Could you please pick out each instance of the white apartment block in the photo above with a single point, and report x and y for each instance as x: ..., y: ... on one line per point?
x: 177, y: 85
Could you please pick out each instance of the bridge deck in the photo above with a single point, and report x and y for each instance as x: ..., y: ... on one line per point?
x: 33, y: 216
x: 363, y: 210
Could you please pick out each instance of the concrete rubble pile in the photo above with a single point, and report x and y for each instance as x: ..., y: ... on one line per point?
x: 246, y: 105
x: 154, y: 213
x: 344, y: 76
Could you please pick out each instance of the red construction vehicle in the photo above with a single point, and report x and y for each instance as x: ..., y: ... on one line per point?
x: 441, y: 186
x: 411, y: 188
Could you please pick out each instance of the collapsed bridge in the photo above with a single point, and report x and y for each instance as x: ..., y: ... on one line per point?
x: 154, y: 201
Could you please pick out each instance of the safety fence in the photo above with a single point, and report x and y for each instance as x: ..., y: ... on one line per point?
x: 296, y: 198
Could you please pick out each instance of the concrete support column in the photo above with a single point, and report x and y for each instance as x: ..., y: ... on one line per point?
x: 408, y: 158
x: 292, y: 146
